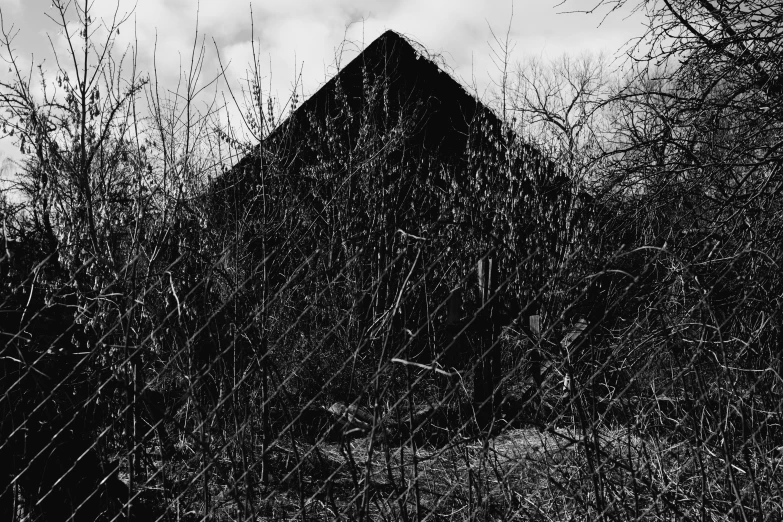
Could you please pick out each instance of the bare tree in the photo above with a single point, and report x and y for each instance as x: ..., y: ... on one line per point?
x: 561, y: 106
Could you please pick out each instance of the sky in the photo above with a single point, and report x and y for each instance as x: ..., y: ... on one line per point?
x: 305, y: 38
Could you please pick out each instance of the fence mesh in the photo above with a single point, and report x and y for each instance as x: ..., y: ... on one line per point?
x: 388, y: 384
x: 347, y: 325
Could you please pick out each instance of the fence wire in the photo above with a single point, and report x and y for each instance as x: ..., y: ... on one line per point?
x: 443, y: 402
x: 360, y: 322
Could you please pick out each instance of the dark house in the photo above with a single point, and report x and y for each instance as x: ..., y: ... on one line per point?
x: 388, y: 186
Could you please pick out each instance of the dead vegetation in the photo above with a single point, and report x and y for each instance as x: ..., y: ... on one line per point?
x: 396, y: 303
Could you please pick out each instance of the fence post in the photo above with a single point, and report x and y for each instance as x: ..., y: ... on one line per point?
x: 486, y: 376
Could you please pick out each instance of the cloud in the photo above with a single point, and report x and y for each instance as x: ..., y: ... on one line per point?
x: 310, y: 32
x: 307, y: 35
x: 11, y: 5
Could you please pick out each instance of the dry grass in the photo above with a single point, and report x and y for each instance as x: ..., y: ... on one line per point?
x: 520, y: 474
x: 523, y: 474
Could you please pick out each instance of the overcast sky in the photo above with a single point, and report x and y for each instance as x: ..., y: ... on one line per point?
x: 306, y: 35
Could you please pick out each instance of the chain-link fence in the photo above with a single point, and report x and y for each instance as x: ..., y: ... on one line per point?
x: 393, y: 308
x: 317, y: 403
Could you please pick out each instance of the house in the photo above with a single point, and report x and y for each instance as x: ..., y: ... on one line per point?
x: 385, y: 190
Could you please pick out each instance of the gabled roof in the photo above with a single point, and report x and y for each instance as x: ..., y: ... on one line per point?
x: 445, y: 110
x: 393, y: 86
x: 410, y: 77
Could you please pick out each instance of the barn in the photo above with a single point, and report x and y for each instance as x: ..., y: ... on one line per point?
x: 404, y: 210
